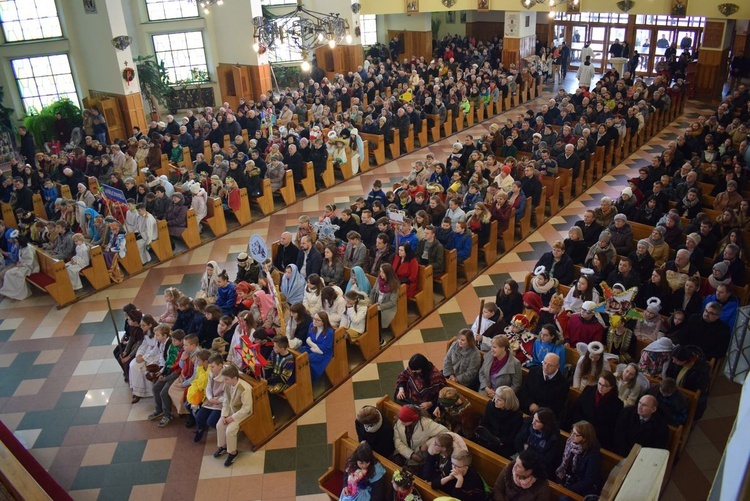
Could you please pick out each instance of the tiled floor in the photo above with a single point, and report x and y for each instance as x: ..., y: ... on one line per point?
x: 63, y: 396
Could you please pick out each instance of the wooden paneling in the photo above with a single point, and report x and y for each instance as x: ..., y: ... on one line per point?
x: 131, y: 107
x: 415, y: 43
x: 515, y: 49
x: 713, y: 34
x: 260, y: 80
x: 234, y: 83
x: 484, y: 31
x: 710, y: 74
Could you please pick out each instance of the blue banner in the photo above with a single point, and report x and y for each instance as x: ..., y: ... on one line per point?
x: 114, y: 194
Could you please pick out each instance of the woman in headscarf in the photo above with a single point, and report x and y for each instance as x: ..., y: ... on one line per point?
x: 209, y: 287
x: 265, y: 314
x: 88, y: 226
x: 358, y: 282
x: 293, y: 285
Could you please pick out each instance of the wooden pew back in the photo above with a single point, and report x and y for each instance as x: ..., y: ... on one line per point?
x: 97, y: 273
x: 259, y: 426
x: 300, y: 394
x: 52, y: 278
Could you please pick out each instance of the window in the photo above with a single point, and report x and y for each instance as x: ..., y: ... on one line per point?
x: 43, y: 80
x: 159, y: 10
x: 368, y: 25
x: 696, y: 22
x: 271, y: 3
x: 182, y: 54
x: 285, y: 52
x: 29, y: 20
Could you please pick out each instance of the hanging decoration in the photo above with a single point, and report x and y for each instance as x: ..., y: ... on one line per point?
x: 128, y: 74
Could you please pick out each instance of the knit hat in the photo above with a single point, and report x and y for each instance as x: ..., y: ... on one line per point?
x: 242, y: 257
x: 627, y: 191
x: 244, y: 287
x: 722, y: 267
x: 534, y: 302
x: 407, y: 415
x: 520, y: 320
x: 621, y: 217
x: 505, y: 169
x: 588, y: 306
x: 653, y: 305
x: 195, y: 188
x: 644, y: 242
x: 732, y: 182
x: 448, y: 397
x: 536, y: 134
x: 458, y: 146
x: 695, y: 238
x: 605, y: 237
x: 595, y: 348
x: 68, y: 171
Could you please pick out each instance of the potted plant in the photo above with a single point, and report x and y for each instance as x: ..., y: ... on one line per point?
x: 154, y: 81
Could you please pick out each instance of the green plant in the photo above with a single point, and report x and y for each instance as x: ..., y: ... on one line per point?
x: 41, y: 124
x: 287, y: 75
x: 196, y: 77
x: 436, y: 22
x: 154, y: 80
x: 7, y: 124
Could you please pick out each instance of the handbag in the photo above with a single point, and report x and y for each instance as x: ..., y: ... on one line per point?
x: 153, y: 371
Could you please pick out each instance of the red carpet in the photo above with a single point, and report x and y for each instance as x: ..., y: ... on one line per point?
x: 28, y: 461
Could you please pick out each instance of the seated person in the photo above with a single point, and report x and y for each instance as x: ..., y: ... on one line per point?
x: 373, y: 429
x: 640, y: 424
x: 463, y: 481
x: 580, y: 469
x: 523, y: 478
x: 420, y: 383
x: 413, y: 423
x: 463, y: 360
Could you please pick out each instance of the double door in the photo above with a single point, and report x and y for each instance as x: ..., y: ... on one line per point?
x: 600, y: 36
x: 652, y: 43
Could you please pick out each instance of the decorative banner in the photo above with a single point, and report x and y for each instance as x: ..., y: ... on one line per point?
x: 252, y: 360
x: 258, y: 249
x: 114, y: 194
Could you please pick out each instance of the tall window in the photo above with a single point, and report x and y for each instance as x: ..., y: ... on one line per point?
x: 159, y: 10
x: 368, y: 26
x: 43, y: 80
x: 29, y: 20
x: 181, y: 53
x: 286, y: 52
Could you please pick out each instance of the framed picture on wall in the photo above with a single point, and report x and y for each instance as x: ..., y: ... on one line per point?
x: 679, y: 8
x: 483, y: 5
x: 412, y: 6
x: 89, y: 6
x: 573, y: 7
x: 450, y: 17
x: 463, y: 17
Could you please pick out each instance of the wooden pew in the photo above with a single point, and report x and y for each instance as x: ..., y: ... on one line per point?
x: 338, y: 368
x: 400, y: 322
x: 470, y: 116
x: 448, y: 125
x: 259, y: 426
x: 187, y: 158
x: 96, y: 273
x: 17, y: 481
x: 379, y: 151
x: 64, y: 191
x: 409, y: 140
x: 422, y: 136
x: 227, y: 142
x: 598, y: 163
x: 487, y: 463
x: 566, y: 185
x: 132, y: 260
x: 308, y: 183
x: 524, y: 225
x: 300, y: 394
x: 470, y: 266
x: 346, y: 167
x: 332, y: 482
x: 243, y: 216
x: 509, y: 235
x: 288, y: 191
x: 395, y: 146
x: 215, y: 219
x: 369, y: 341
x: 190, y: 235
x: 52, y: 278
x: 207, y: 151
x: 578, y: 182
x: 448, y: 279
x: 539, y: 211
x: 39, y: 210
x: 434, y: 130
x: 163, y: 169
x: 162, y: 246
x: 265, y: 201
x: 489, y: 250
x: 552, y: 195
x: 460, y: 120
x: 328, y: 176
x: 424, y: 297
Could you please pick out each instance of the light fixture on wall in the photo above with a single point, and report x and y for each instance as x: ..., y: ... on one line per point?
x: 301, y: 28
x: 727, y: 9
x: 122, y: 42
x: 528, y: 4
x: 625, y: 5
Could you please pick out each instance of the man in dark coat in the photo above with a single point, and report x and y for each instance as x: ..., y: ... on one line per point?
x: 286, y: 253
x: 24, y: 196
x: 294, y: 161
x: 309, y: 260
x: 641, y: 424
x: 545, y: 386
x: 590, y: 228
x: 707, y: 331
x: 27, y: 149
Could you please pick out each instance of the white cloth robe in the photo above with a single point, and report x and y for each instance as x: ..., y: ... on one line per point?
x: 14, y: 282
x: 79, y: 261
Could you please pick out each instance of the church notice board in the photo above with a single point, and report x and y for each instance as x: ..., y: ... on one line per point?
x: 713, y: 35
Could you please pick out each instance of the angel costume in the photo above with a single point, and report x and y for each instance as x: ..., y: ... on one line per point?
x: 14, y: 282
x: 152, y: 352
x: 79, y: 261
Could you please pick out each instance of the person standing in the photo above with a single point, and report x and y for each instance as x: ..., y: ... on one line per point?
x: 585, y: 73
x: 565, y: 57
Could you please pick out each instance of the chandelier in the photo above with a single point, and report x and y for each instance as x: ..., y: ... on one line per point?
x: 301, y: 28
x: 528, y: 4
x: 205, y: 4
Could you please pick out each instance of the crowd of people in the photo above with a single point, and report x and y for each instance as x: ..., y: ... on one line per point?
x: 191, y: 355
